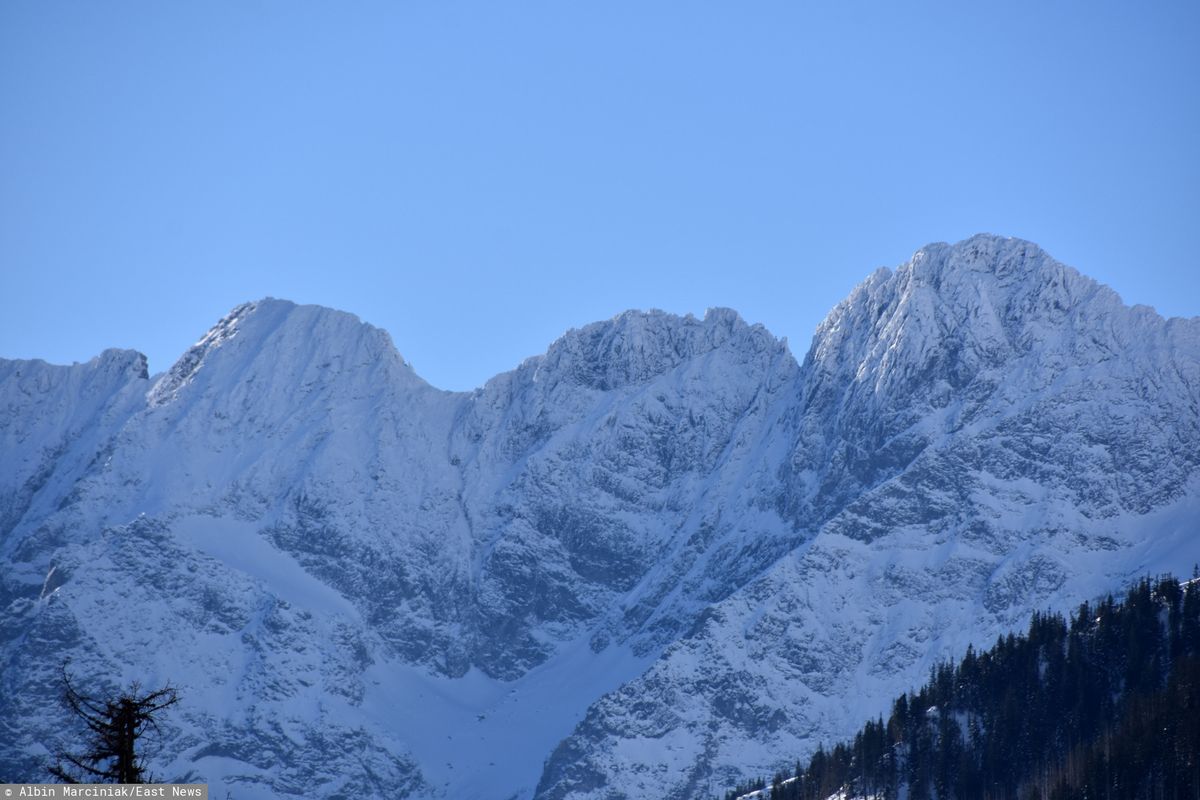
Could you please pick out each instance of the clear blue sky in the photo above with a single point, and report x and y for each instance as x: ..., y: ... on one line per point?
x: 479, y: 177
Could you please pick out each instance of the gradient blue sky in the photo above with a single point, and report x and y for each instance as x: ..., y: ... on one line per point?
x: 479, y: 177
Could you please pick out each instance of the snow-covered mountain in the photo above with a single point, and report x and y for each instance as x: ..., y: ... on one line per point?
x: 657, y: 556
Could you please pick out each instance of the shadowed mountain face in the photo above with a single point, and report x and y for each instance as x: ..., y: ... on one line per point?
x: 659, y: 554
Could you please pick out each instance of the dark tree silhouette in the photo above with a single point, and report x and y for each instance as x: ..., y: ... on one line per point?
x: 116, y: 726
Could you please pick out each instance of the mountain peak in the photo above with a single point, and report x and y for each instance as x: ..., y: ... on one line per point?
x: 956, y: 312
x: 995, y: 265
x: 635, y: 346
x: 983, y: 252
x: 986, y: 290
x: 281, y: 336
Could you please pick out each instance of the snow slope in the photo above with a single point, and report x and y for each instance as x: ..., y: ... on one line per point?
x: 658, y: 555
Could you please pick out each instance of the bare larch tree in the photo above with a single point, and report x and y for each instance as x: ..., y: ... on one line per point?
x: 115, y: 727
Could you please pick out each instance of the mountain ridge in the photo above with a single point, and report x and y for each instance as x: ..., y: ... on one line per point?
x: 672, y: 515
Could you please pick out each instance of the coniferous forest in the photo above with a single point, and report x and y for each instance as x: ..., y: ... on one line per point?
x: 1105, y: 704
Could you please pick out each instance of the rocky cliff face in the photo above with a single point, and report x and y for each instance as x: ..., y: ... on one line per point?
x: 657, y: 555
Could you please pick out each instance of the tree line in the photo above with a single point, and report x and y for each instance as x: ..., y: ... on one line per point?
x: 1102, y: 704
